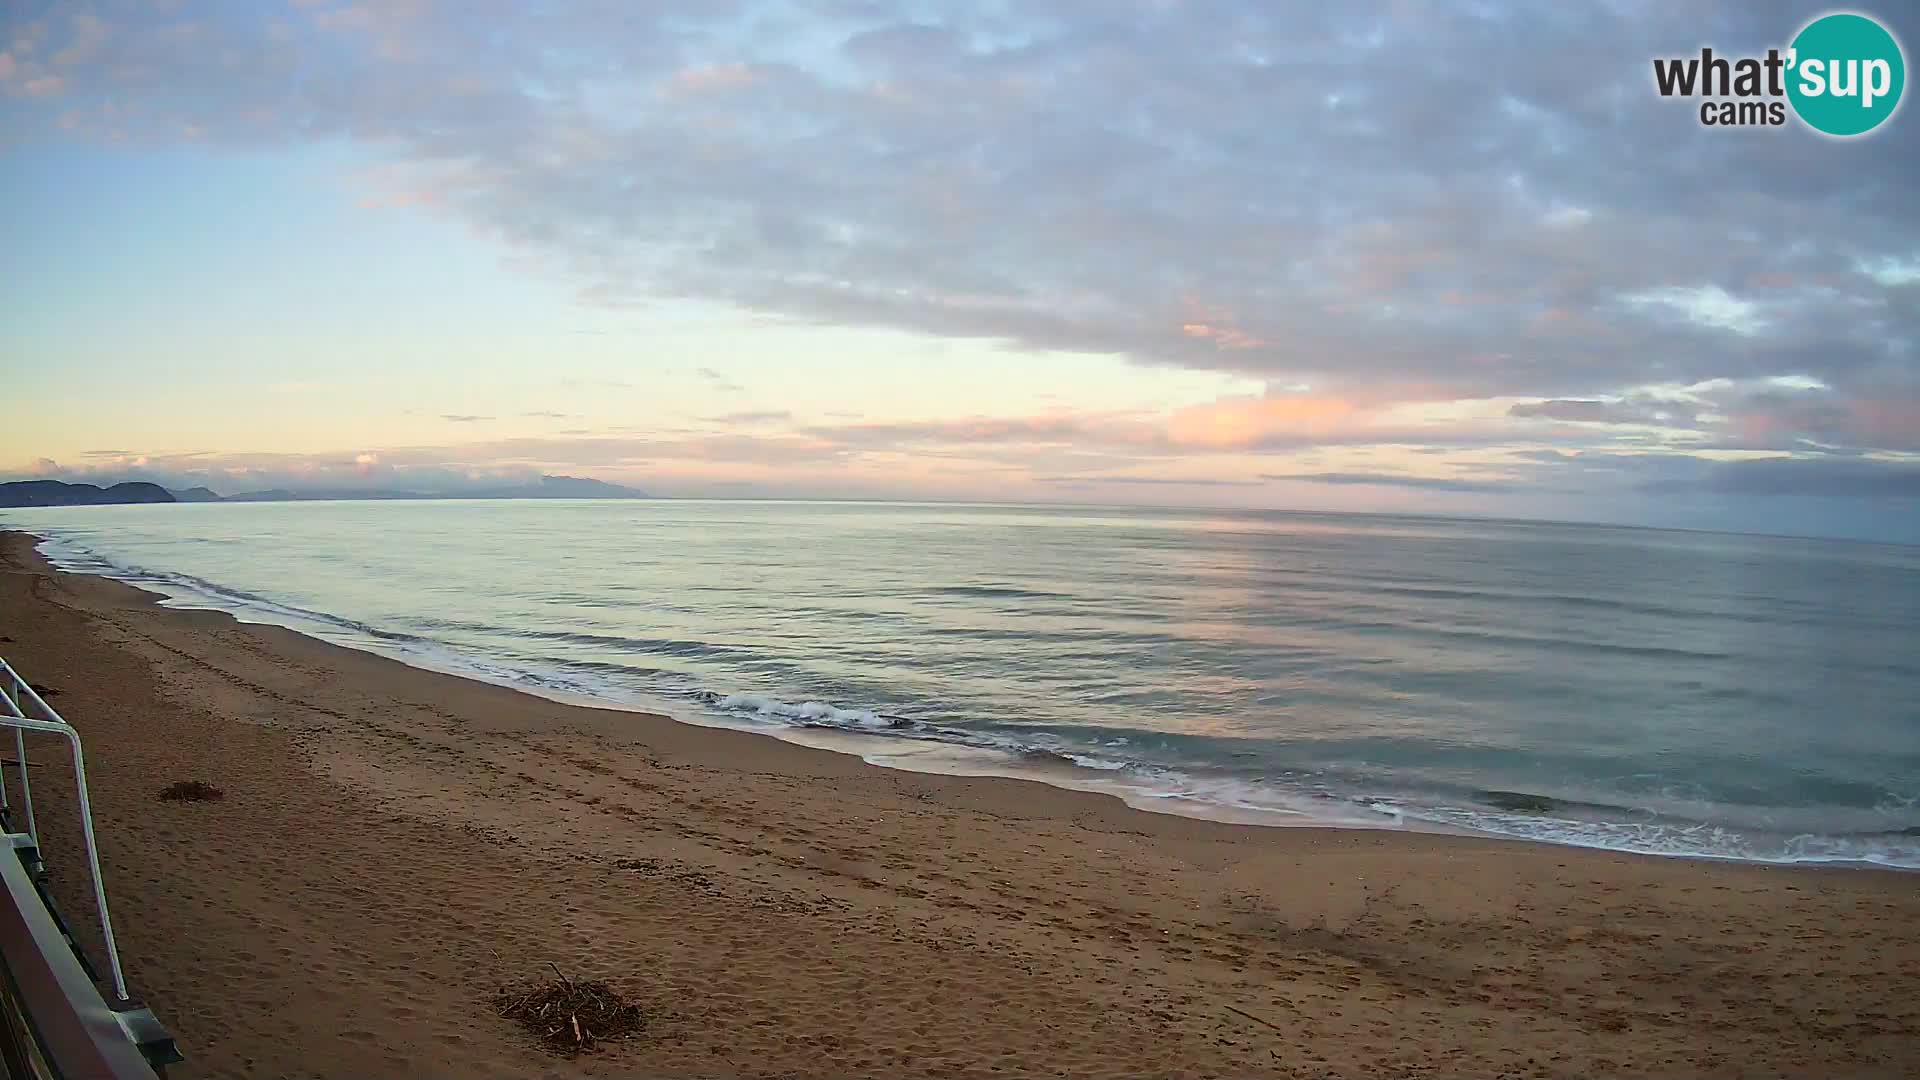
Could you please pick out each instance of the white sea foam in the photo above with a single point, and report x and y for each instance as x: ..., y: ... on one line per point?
x: 1682, y: 839
x: 816, y: 711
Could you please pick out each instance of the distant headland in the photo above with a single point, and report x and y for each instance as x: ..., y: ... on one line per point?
x: 61, y: 493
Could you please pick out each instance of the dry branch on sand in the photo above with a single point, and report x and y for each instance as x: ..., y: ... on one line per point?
x: 571, y: 1016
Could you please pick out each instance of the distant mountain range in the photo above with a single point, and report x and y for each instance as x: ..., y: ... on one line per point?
x: 60, y: 493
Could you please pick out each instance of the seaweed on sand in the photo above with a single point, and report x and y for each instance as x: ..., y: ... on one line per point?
x: 191, y: 791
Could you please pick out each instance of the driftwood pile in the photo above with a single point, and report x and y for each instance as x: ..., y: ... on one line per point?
x: 571, y: 1016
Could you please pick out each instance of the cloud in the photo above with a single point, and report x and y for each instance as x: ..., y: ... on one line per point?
x: 1423, y: 483
x: 719, y: 381
x: 1253, y: 421
x: 1797, y: 418
x: 1704, y: 305
x: 463, y: 418
x: 1533, y: 245
x: 1144, y: 481
x: 766, y: 416
x: 1062, y: 429
x: 1590, y: 411
x: 1229, y: 425
x: 1828, y: 478
x: 1893, y: 270
x: 711, y: 78
x: 1537, y: 223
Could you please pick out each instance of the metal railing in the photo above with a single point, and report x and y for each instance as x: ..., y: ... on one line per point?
x: 23, y: 709
x: 19, y: 693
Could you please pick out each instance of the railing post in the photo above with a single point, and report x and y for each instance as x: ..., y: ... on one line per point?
x: 20, y: 759
x: 26, y: 783
x: 13, y: 706
x: 93, y: 865
x: 14, y: 685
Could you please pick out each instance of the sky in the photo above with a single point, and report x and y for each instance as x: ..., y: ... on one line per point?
x: 1442, y: 257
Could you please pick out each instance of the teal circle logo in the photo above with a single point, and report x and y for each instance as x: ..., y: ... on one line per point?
x: 1845, y: 74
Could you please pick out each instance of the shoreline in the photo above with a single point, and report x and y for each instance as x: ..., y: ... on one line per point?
x: 896, y: 752
x: 935, y: 756
x: 396, y: 843
x: 864, y: 747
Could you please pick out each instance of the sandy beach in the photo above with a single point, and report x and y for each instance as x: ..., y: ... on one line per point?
x: 395, y: 845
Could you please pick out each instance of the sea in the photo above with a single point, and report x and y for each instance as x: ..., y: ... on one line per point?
x: 1673, y: 693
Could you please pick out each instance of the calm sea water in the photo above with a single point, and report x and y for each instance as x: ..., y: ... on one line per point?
x: 1647, y: 691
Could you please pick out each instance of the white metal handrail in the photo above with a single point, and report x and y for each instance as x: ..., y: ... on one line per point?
x: 16, y: 695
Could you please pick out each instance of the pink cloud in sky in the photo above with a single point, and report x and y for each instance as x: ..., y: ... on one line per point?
x: 1249, y: 421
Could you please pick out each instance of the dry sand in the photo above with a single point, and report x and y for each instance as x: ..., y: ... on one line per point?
x: 396, y: 844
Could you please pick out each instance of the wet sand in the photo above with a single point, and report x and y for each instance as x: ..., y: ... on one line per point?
x: 394, y: 845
